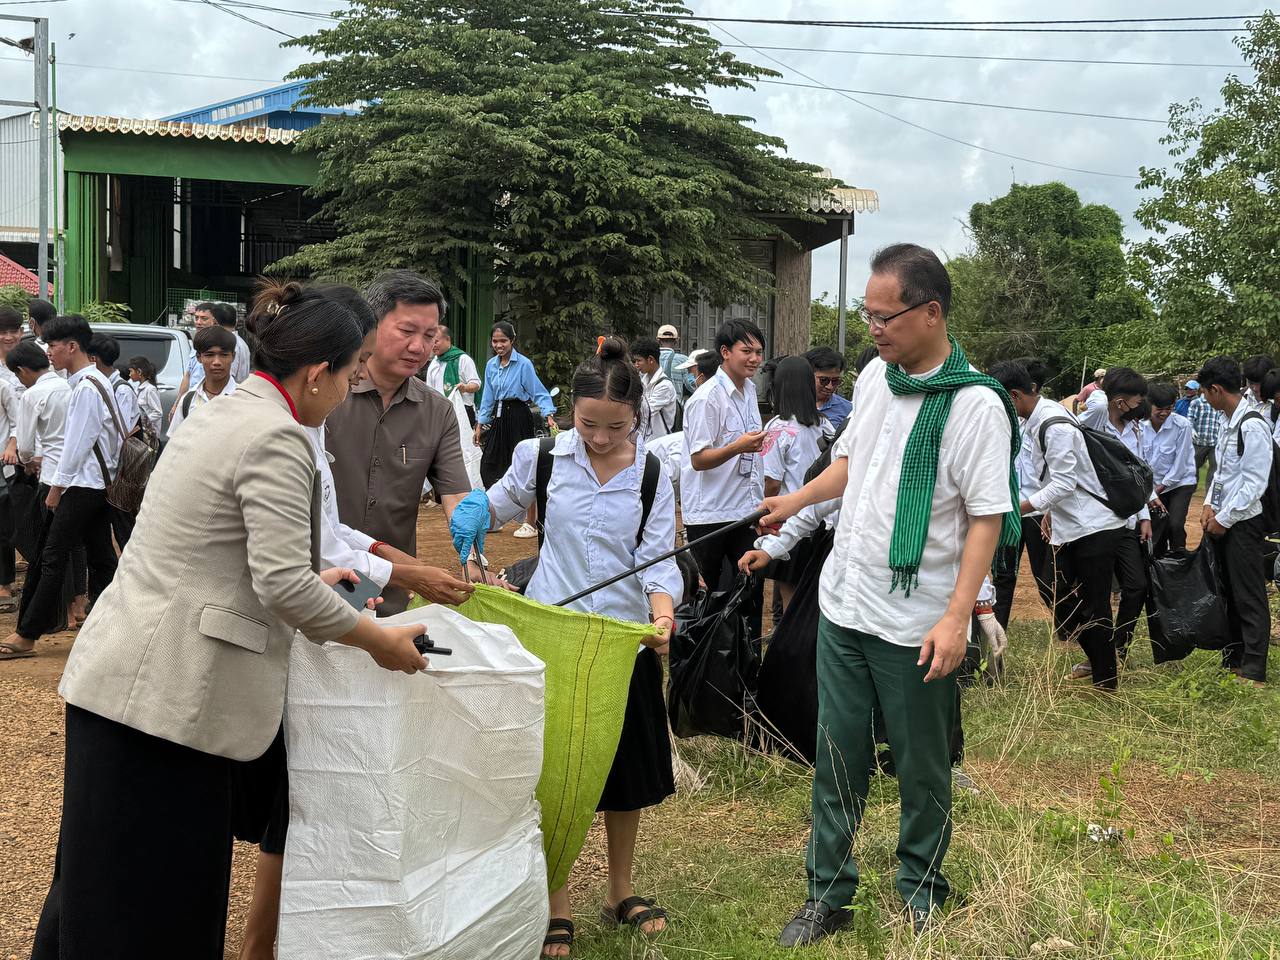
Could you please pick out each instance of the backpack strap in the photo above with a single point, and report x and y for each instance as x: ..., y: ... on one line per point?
x: 542, y: 477
x: 1251, y: 415
x: 1045, y: 471
x: 648, y: 491
x: 186, y: 403
x: 109, y: 399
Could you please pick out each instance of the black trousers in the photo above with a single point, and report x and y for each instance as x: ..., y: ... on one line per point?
x: 8, y: 556
x: 1131, y: 575
x: 1245, y: 586
x: 1206, y: 454
x: 144, y: 851
x: 1084, y: 599
x: 1040, y: 555
x: 1169, y: 531
x: 718, y: 561
x: 82, y: 518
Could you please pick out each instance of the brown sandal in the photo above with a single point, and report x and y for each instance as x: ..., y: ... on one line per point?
x: 9, y: 652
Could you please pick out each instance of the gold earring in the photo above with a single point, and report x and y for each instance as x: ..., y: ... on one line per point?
x: 315, y: 390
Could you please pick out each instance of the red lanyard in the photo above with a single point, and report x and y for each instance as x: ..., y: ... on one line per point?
x: 284, y: 393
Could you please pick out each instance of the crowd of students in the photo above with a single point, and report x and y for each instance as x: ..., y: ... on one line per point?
x: 925, y: 476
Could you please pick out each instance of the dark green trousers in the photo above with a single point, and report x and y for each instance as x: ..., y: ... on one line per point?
x: 855, y: 670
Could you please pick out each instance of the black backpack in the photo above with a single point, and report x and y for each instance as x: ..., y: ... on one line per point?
x: 1126, y: 479
x: 1271, y: 496
x: 542, y: 477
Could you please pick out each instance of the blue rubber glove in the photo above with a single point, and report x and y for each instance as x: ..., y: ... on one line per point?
x: 469, y: 522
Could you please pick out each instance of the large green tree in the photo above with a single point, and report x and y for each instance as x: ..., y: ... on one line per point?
x: 1045, y: 274
x: 567, y: 142
x: 1212, y: 263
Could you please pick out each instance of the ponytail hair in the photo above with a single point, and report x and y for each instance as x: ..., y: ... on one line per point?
x: 294, y: 327
x: 506, y: 329
x: 609, y: 375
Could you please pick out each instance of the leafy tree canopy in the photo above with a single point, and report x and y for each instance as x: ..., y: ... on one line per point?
x: 1212, y: 264
x: 568, y: 142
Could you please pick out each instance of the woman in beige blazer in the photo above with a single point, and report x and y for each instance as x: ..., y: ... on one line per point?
x: 178, y: 676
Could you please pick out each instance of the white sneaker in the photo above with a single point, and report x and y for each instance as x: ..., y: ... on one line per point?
x: 525, y: 532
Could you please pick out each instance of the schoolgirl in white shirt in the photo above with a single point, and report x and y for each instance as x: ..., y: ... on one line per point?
x: 592, y: 510
x: 142, y: 374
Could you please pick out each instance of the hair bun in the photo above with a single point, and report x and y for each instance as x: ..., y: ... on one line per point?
x: 612, y: 350
x: 271, y: 298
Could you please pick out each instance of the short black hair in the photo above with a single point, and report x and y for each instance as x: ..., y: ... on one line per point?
x: 224, y: 314
x: 646, y: 347
x: 921, y: 276
x: 41, y: 311
x: 1162, y: 395
x: 1255, y: 368
x: 1013, y: 375
x: 393, y: 287
x: 1221, y: 372
x: 70, y: 326
x: 1270, y: 385
x: 104, y: 347
x: 1036, y: 369
x: 27, y: 354
x: 865, y: 357
x: 353, y: 300
x: 825, y: 358
x: 206, y: 306
x: 737, y: 331
x: 1124, y: 382
x: 10, y: 318
x: 214, y: 338
x: 707, y: 363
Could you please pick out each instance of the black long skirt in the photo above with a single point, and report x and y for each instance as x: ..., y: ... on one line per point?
x: 144, y: 852
x: 641, y: 775
x: 513, y: 423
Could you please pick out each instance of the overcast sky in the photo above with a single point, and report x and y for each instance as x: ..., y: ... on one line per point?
x: 926, y: 184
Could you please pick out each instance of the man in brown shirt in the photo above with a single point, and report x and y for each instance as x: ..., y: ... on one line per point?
x: 393, y: 431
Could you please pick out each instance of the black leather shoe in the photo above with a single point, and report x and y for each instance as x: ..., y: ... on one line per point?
x: 815, y: 921
x: 918, y: 917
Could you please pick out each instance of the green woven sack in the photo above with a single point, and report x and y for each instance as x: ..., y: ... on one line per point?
x: 589, y: 661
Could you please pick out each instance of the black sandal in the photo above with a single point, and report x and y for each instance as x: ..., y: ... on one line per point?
x: 621, y: 914
x: 554, y: 939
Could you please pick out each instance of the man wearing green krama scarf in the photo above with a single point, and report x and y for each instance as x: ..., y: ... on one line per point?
x: 924, y: 470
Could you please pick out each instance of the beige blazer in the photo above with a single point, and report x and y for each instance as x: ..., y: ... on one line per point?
x: 190, y: 642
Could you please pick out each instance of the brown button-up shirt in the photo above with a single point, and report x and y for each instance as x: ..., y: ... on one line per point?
x: 382, y: 457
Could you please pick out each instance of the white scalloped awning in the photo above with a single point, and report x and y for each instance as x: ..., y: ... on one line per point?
x: 172, y: 128
x: 846, y: 200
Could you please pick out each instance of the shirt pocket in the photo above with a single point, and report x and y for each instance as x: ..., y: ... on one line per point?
x: 417, y: 454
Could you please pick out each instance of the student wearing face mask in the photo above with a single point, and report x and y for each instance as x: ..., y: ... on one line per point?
x: 595, y: 528
x: 1168, y: 448
x: 1121, y: 416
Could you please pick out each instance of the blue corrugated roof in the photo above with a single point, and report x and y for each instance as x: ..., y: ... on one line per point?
x: 264, y: 105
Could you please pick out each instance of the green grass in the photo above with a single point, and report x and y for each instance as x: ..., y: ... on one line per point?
x: 1183, y: 761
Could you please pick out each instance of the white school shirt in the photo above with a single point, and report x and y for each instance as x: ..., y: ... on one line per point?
x: 1064, y: 476
x: 779, y: 545
x: 716, y: 415
x: 11, y: 378
x: 201, y: 398
x: 1170, y: 453
x: 149, y: 404
x: 591, y: 530
x: 1237, y: 486
x: 42, y: 423
x: 341, y: 545
x: 1131, y: 436
x: 1028, y: 479
x: 972, y: 481
x: 789, y: 451
x: 89, y: 422
x: 240, y: 368
x: 467, y: 374
x: 670, y: 453
x: 126, y: 401
x: 660, y: 405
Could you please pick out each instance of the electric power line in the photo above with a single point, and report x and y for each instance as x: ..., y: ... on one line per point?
x: 160, y: 73
x: 247, y: 19
x: 960, y: 56
x: 962, y: 103
x: 918, y: 126
x: 975, y: 26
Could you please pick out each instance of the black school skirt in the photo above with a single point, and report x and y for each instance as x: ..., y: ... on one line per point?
x: 514, y: 422
x: 641, y: 775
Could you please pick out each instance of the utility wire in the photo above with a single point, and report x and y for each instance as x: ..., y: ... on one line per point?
x: 918, y: 126
x: 962, y: 103
x: 976, y: 26
x: 247, y: 19
x: 266, y: 8
x: 160, y: 73
x: 959, y: 56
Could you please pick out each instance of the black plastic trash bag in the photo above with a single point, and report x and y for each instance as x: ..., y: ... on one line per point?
x: 714, y: 664
x: 1185, y: 609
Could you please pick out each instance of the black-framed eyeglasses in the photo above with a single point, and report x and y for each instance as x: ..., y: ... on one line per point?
x: 870, y: 319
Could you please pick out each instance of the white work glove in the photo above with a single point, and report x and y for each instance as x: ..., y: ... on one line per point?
x: 997, y: 641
